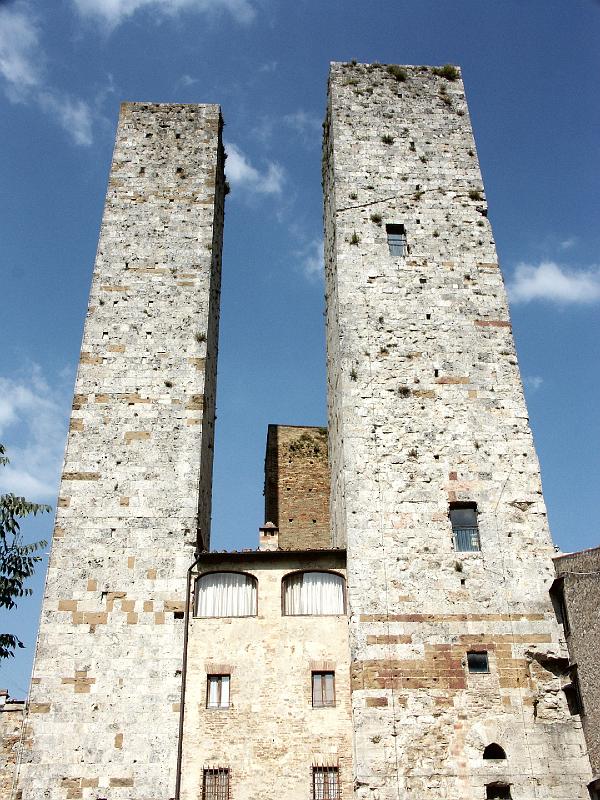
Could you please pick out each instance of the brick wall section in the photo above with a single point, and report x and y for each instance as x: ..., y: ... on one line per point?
x: 271, y: 736
x: 135, y: 491
x: 297, y: 486
x: 581, y: 590
x: 11, y: 732
x: 426, y: 408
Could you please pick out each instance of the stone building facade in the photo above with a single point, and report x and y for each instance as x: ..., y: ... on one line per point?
x: 576, y: 592
x: 431, y: 664
x: 453, y: 639
x: 270, y: 733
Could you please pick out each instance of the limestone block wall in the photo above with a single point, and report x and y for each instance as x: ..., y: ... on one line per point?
x: 135, y: 490
x: 297, y: 486
x: 580, y: 589
x: 12, y: 733
x: 271, y: 736
x: 426, y: 408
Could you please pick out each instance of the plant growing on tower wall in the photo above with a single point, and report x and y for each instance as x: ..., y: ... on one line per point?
x: 17, y: 560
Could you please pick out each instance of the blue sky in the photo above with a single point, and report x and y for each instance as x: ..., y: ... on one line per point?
x: 531, y: 72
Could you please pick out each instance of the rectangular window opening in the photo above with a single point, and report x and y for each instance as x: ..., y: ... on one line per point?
x: 478, y: 662
x: 217, y: 691
x: 323, y: 689
x: 396, y: 237
x: 326, y: 784
x: 465, y: 529
x: 497, y: 791
x: 215, y: 784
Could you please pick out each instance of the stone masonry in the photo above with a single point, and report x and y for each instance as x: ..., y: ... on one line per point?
x: 12, y: 734
x: 297, y: 486
x: 135, y: 493
x: 270, y: 736
x: 577, y: 590
x: 426, y: 408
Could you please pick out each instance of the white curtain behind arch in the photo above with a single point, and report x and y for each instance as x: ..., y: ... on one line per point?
x: 226, y: 594
x: 313, y: 593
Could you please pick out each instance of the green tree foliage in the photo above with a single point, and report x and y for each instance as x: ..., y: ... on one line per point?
x: 17, y: 560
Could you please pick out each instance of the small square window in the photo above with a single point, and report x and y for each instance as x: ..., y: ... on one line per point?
x: 478, y: 661
x: 323, y: 689
x: 396, y: 237
x: 217, y: 691
x: 215, y: 784
x: 326, y: 785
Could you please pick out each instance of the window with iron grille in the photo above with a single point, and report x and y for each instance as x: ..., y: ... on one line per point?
x: 396, y: 237
x: 465, y: 530
x: 217, y: 691
x: 215, y: 784
x: 478, y: 661
x: 326, y: 785
x: 323, y: 689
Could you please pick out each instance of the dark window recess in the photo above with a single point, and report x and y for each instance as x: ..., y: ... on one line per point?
x: 326, y: 785
x: 594, y: 789
x: 396, y: 237
x: 497, y: 790
x: 215, y: 784
x: 478, y: 661
x: 557, y: 594
x: 465, y: 530
x: 323, y: 689
x: 573, y: 693
x: 494, y: 751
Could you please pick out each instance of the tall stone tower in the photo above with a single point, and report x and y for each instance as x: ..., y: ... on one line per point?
x: 135, y: 494
x: 436, y: 487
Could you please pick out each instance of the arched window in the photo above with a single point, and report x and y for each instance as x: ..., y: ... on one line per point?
x: 226, y: 594
x: 313, y: 593
x: 494, y: 750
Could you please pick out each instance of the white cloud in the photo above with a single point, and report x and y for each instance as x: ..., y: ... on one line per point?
x: 549, y: 281
x: 114, y: 12
x: 33, y: 422
x: 20, y: 60
x: 242, y: 174
x: 75, y: 116
x: 533, y: 382
x: 306, y: 125
x: 19, y: 55
x: 311, y: 259
x: 567, y: 244
x: 187, y: 80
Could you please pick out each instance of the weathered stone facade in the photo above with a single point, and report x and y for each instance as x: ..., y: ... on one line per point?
x: 12, y: 735
x: 577, y: 592
x: 136, y: 486
x: 426, y: 412
x: 297, y: 486
x: 426, y: 409
x: 270, y: 736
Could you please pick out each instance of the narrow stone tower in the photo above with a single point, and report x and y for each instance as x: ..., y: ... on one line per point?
x: 436, y: 487
x: 135, y: 494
